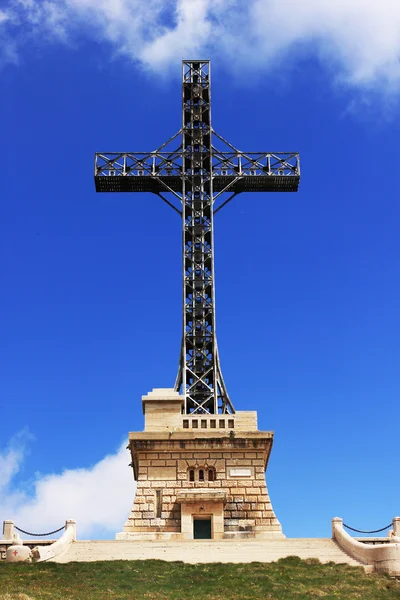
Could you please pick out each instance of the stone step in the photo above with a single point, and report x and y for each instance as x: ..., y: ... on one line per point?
x: 201, y: 551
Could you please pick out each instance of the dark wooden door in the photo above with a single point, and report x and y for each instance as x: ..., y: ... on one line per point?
x: 202, y: 529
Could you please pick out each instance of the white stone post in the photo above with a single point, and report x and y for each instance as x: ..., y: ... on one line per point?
x: 8, y: 530
x: 396, y: 526
x: 71, y: 524
x: 336, y: 521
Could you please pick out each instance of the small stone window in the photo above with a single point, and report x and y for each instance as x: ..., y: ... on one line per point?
x: 222, y: 423
x: 195, y: 424
x: 185, y: 424
x: 202, y: 474
x: 231, y: 423
x: 213, y: 423
x: 203, y: 424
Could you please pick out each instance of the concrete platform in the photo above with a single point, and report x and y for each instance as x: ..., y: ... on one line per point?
x: 224, y: 551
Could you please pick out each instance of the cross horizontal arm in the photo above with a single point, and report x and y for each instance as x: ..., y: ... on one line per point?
x: 158, y: 171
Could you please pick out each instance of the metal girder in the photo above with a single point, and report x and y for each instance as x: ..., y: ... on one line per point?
x: 199, y: 375
x: 197, y: 174
x: 161, y: 171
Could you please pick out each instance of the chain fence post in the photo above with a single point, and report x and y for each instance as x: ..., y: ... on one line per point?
x: 8, y: 529
x: 396, y: 526
x: 71, y: 524
x: 336, y: 521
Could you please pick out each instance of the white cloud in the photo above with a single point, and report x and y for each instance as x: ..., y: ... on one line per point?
x: 98, y: 498
x: 359, y: 40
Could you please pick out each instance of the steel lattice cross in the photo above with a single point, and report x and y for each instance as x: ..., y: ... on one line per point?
x: 197, y: 175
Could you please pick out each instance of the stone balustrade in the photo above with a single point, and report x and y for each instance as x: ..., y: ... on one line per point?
x: 382, y: 558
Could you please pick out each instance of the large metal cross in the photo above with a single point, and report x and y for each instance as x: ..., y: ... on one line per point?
x: 195, y: 175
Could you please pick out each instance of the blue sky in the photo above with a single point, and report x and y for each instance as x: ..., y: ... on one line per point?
x: 307, y: 284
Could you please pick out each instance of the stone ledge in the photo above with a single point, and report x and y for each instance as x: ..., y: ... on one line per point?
x: 161, y: 398
x: 204, y: 495
x: 200, y: 435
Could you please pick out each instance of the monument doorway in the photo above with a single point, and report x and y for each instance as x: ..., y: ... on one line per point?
x: 202, y: 513
x: 202, y: 529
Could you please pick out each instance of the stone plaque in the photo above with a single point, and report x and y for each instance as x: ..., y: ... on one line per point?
x: 163, y: 473
x: 240, y: 472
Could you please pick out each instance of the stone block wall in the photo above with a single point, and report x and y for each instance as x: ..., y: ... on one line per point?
x: 162, y: 469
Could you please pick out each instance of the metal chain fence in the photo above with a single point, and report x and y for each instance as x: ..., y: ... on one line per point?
x: 361, y: 531
x: 39, y: 534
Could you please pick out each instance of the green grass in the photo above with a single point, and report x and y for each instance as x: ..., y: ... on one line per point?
x: 287, y: 579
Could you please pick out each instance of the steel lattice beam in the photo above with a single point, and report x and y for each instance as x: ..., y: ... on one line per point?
x: 197, y: 174
x: 161, y: 171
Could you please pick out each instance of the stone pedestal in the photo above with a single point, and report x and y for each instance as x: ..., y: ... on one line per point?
x: 8, y: 529
x: 193, y: 467
x: 396, y: 526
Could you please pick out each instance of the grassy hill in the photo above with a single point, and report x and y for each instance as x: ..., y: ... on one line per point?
x: 287, y: 579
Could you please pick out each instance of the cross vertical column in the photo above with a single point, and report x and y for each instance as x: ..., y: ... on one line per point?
x: 199, y: 377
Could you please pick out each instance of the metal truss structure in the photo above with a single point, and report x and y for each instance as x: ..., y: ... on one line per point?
x: 199, y: 179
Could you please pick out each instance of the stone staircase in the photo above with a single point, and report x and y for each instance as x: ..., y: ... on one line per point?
x: 202, y: 551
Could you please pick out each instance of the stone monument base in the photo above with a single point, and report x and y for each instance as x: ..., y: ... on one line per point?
x: 199, y: 476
